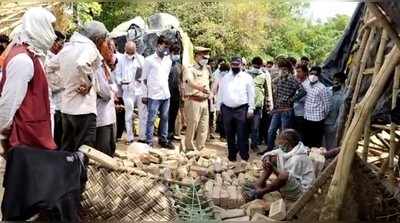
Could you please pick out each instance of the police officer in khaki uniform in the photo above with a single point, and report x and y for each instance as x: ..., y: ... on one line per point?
x: 196, y: 80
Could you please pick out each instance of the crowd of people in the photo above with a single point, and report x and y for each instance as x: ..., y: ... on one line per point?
x: 59, y: 93
x: 96, y: 93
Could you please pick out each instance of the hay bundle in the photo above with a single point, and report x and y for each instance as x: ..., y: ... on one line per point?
x: 120, y: 196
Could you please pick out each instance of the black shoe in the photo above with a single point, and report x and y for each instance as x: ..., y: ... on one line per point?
x: 232, y: 159
x: 167, y: 145
x: 142, y: 141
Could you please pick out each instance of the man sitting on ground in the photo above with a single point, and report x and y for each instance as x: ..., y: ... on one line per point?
x: 292, y: 166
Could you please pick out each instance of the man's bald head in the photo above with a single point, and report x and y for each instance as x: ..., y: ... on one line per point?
x: 130, y: 47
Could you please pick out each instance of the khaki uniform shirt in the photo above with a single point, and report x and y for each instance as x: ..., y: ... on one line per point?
x: 197, y: 75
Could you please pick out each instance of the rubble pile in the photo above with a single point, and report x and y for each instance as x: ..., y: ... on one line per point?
x: 221, y: 181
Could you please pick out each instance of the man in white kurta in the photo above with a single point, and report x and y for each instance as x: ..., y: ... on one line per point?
x: 78, y: 64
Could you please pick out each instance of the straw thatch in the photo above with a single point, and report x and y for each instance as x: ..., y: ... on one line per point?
x: 11, y: 13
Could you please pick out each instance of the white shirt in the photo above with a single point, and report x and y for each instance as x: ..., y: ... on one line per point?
x: 55, y: 84
x: 19, y: 72
x: 78, y: 62
x: 126, y: 68
x: 117, y: 86
x: 105, y: 101
x: 236, y: 90
x: 156, y: 72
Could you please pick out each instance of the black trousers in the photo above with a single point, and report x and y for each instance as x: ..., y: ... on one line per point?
x: 313, y: 133
x: 120, y: 113
x: 105, y: 139
x: 237, y: 135
x: 58, y: 131
x: 299, y: 125
x: 78, y: 130
x: 264, y: 126
x: 172, y: 115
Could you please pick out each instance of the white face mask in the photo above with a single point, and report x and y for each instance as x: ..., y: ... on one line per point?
x: 175, y: 57
x: 203, y: 62
x: 312, y: 78
x: 129, y: 56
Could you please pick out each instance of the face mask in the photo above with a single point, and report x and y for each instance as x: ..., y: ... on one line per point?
x: 284, y: 148
x: 175, y: 58
x: 161, y: 52
x: 255, y: 71
x: 222, y: 73
x: 313, y: 78
x: 203, y: 62
x: 235, y: 70
x: 130, y: 56
x: 336, y: 87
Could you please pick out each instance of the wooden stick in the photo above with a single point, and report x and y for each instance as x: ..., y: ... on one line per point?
x: 384, y: 142
x: 381, y: 51
x: 335, y: 196
x: 370, y: 22
x: 373, y: 149
x: 382, y: 145
x: 360, y: 76
x: 109, y: 162
x: 393, y: 125
x: 374, y: 9
x: 357, y: 59
x: 382, y: 127
x: 366, y: 138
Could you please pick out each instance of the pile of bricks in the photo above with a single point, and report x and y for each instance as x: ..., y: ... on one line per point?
x: 221, y: 180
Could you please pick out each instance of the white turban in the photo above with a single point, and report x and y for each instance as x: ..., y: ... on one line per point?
x: 37, y: 29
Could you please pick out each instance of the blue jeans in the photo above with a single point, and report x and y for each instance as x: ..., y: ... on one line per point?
x: 279, y: 120
x: 154, y: 106
x: 255, y: 125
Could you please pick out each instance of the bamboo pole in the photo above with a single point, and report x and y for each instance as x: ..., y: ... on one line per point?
x: 360, y: 76
x: 393, y: 126
x: 352, y: 67
x: 366, y: 138
x: 357, y: 59
x: 374, y: 9
x: 369, y: 23
x: 381, y: 51
x: 335, y: 196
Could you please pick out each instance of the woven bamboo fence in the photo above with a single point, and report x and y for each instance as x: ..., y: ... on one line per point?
x: 124, y: 197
